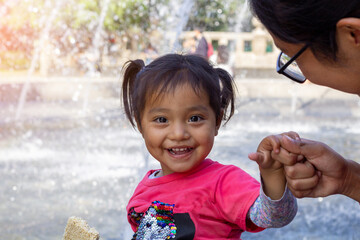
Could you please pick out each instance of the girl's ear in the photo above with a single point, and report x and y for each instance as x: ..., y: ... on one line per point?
x: 348, y: 31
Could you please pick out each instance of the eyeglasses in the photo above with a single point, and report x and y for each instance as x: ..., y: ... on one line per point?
x: 288, y: 66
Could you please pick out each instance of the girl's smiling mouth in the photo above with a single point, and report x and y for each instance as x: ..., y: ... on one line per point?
x: 180, y: 150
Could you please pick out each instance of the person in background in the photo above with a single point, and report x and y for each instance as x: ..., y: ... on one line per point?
x: 223, y: 56
x: 178, y: 103
x: 320, y: 41
x: 202, y: 47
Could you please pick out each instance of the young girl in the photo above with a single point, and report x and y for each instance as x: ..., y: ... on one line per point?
x: 178, y: 102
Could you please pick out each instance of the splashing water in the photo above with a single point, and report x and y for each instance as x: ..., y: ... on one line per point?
x: 47, y: 22
x: 183, y: 15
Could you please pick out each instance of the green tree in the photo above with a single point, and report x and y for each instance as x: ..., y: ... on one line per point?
x: 134, y: 19
x: 215, y: 15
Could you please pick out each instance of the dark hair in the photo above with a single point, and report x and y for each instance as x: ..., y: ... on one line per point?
x: 310, y: 22
x: 165, y: 73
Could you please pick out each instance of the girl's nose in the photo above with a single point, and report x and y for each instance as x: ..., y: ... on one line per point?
x: 179, y: 131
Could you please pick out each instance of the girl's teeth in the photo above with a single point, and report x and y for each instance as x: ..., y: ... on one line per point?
x: 179, y: 150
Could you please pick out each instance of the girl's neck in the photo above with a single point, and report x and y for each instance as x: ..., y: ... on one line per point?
x: 159, y: 173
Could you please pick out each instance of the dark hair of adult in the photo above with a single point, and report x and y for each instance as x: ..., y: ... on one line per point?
x: 166, y: 73
x: 308, y: 21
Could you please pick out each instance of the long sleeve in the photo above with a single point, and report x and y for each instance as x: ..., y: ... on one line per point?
x: 268, y: 213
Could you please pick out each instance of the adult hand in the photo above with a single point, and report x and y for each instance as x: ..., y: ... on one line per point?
x: 335, y: 175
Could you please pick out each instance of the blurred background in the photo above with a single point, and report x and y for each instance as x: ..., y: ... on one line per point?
x: 66, y: 148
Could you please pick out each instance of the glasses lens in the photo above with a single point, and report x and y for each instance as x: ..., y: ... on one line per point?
x: 292, y: 70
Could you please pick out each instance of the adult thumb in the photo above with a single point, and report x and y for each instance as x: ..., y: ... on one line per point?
x: 291, y: 145
x: 304, y: 147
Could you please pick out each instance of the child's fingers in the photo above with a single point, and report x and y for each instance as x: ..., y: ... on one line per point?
x: 253, y: 156
x: 263, y: 160
x: 285, y: 157
x: 257, y: 157
x: 276, y: 144
x: 270, y: 143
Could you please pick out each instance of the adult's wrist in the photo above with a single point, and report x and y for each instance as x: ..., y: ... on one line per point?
x: 352, y: 181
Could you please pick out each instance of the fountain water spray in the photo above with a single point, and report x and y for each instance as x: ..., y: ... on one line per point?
x: 96, y: 43
x: 244, y: 11
x: 43, y: 38
x: 183, y: 13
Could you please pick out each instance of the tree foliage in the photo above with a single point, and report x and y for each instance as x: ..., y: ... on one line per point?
x: 74, y: 22
x: 215, y: 15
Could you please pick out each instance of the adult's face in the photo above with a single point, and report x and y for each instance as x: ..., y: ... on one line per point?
x: 344, y: 73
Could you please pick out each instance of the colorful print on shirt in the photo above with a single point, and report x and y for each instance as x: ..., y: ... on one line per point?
x: 156, y: 223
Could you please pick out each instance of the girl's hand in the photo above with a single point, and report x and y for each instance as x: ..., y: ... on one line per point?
x: 271, y: 156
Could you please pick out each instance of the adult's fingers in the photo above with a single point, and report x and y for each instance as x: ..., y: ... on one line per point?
x: 291, y: 134
x: 305, y: 147
x: 303, y: 184
x: 290, y: 144
x: 300, y: 194
x: 300, y: 170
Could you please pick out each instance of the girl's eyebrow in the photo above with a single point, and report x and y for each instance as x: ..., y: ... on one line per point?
x: 159, y: 109
x: 198, y: 108
x: 192, y: 108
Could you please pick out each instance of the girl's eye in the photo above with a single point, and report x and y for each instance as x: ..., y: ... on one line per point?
x: 195, y: 118
x: 161, y: 120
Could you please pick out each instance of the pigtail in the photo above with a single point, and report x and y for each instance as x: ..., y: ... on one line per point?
x: 227, y: 93
x: 131, y: 70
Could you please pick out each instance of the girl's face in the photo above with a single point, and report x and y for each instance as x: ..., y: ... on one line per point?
x: 179, y: 128
x: 343, y: 75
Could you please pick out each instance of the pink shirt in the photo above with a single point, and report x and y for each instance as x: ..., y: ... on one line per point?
x: 216, y: 197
